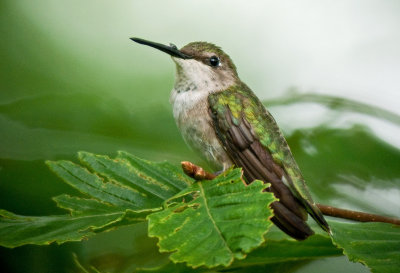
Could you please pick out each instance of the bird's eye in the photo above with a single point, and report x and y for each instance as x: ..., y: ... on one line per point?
x: 173, y: 46
x: 214, y: 61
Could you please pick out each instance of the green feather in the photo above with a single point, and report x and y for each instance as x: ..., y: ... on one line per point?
x: 243, y: 103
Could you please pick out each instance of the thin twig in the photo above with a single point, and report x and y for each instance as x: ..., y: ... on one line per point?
x: 356, y: 215
x: 199, y: 173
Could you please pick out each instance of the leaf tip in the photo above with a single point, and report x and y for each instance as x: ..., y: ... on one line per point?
x: 49, y: 163
x: 83, y: 154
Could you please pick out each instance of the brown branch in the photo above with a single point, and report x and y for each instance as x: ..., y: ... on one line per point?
x: 356, y: 215
x: 199, y: 173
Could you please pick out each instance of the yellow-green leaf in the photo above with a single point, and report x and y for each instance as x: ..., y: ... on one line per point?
x: 213, y: 222
x: 377, y: 245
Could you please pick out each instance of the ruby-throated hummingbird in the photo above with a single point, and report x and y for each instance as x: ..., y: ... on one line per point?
x: 224, y: 121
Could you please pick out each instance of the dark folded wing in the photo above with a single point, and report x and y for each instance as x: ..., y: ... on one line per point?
x: 239, y: 120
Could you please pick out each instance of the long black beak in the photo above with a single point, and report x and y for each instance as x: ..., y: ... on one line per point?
x: 171, y: 50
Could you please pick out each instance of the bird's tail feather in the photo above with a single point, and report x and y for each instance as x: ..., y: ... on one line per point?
x: 290, y: 223
x: 316, y: 214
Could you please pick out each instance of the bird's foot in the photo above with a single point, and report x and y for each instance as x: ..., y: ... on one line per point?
x: 195, y: 171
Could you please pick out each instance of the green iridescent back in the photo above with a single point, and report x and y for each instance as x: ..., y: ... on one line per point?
x: 243, y: 103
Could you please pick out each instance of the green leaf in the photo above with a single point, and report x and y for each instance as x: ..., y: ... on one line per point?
x: 376, y: 245
x: 170, y: 176
x: 284, y: 249
x: 81, y: 206
x: 93, y: 185
x: 16, y: 230
x: 145, y: 184
x: 349, y: 168
x: 121, y: 191
x: 336, y: 103
x: 224, y: 220
x: 278, y: 250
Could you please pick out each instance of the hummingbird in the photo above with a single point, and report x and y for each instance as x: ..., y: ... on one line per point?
x: 221, y: 119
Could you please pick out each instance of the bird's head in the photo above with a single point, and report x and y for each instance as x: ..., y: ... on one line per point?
x: 200, y: 65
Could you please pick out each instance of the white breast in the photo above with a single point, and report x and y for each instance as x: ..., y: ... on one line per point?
x: 193, y: 120
x: 194, y: 82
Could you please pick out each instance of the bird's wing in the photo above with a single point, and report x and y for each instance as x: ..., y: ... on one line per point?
x: 254, y: 142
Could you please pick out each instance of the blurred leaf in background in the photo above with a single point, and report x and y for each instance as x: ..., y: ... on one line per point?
x: 71, y: 80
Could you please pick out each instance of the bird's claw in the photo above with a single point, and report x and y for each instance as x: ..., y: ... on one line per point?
x: 196, y: 172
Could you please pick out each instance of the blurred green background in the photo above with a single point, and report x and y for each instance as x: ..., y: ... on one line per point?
x: 71, y: 80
